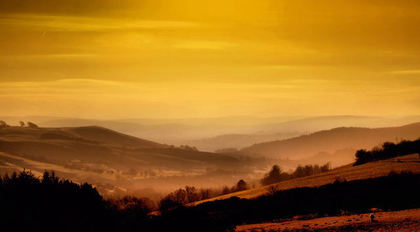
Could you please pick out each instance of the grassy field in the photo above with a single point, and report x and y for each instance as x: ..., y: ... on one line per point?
x: 404, y: 220
x: 348, y: 172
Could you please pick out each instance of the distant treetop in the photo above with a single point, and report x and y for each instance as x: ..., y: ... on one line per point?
x: 32, y: 125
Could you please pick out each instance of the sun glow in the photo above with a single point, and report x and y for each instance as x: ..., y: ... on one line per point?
x: 209, y: 58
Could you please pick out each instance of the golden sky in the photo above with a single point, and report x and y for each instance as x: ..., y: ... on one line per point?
x: 190, y: 58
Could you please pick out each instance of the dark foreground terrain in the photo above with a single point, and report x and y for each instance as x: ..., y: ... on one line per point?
x: 404, y: 220
x: 51, y: 204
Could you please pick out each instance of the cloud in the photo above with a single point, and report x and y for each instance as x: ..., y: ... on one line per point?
x: 47, y: 23
x: 204, y: 45
x: 406, y: 72
x: 64, y: 87
x: 69, y: 7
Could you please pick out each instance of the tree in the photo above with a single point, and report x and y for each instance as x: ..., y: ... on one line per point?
x: 241, y: 185
x: 299, y: 172
x: 181, y: 196
x: 387, y: 151
x: 168, y: 203
x: 326, y: 167
x: 3, y: 124
x: 32, y: 125
x: 225, y: 190
x: 205, y: 193
x: 273, y: 176
x: 49, y: 178
x: 362, y: 156
x: 192, y: 194
x: 138, y: 207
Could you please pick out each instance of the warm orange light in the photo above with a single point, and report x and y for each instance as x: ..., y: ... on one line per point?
x: 188, y: 58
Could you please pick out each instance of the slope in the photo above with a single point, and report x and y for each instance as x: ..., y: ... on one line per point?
x: 347, y: 172
x: 331, y: 141
x: 107, y: 157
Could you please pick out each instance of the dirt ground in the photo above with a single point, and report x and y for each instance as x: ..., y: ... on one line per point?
x: 405, y: 220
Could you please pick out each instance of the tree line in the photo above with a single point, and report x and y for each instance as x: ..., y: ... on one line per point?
x: 277, y: 175
x: 32, y: 125
x: 387, y: 150
x: 189, y: 194
x: 36, y: 204
x: 396, y: 191
x: 53, y: 204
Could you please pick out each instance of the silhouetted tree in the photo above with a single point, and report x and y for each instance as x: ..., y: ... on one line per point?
x: 273, y: 176
x: 3, y: 124
x: 362, y: 156
x: 192, y: 194
x: 241, y: 185
x: 276, y: 175
x: 205, y: 193
x: 388, y: 150
x: 325, y: 168
x: 32, y: 125
x: 225, y: 190
x: 49, y: 178
x: 30, y: 204
x: 178, y: 198
x: 138, y: 207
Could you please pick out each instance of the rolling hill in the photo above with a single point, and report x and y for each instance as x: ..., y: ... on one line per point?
x: 337, y: 145
x: 236, y: 141
x: 211, y: 134
x: 272, y: 130
x: 348, y: 172
x: 99, y: 144
x: 108, y: 158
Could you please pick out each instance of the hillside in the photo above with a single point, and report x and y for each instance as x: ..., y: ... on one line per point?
x: 312, y: 124
x: 280, y: 129
x: 343, y: 141
x: 404, y: 220
x: 96, y: 144
x: 113, y: 160
x: 348, y: 172
x: 236, y: 141
x: 87, y: 134
x: 211, y: 134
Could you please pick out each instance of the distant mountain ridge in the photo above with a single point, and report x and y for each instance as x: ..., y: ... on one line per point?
x: 332, y: 141
x: 292, y: 128
x: 211, y: 134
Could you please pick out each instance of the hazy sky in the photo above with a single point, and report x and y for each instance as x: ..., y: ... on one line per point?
x: 190, y: 58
